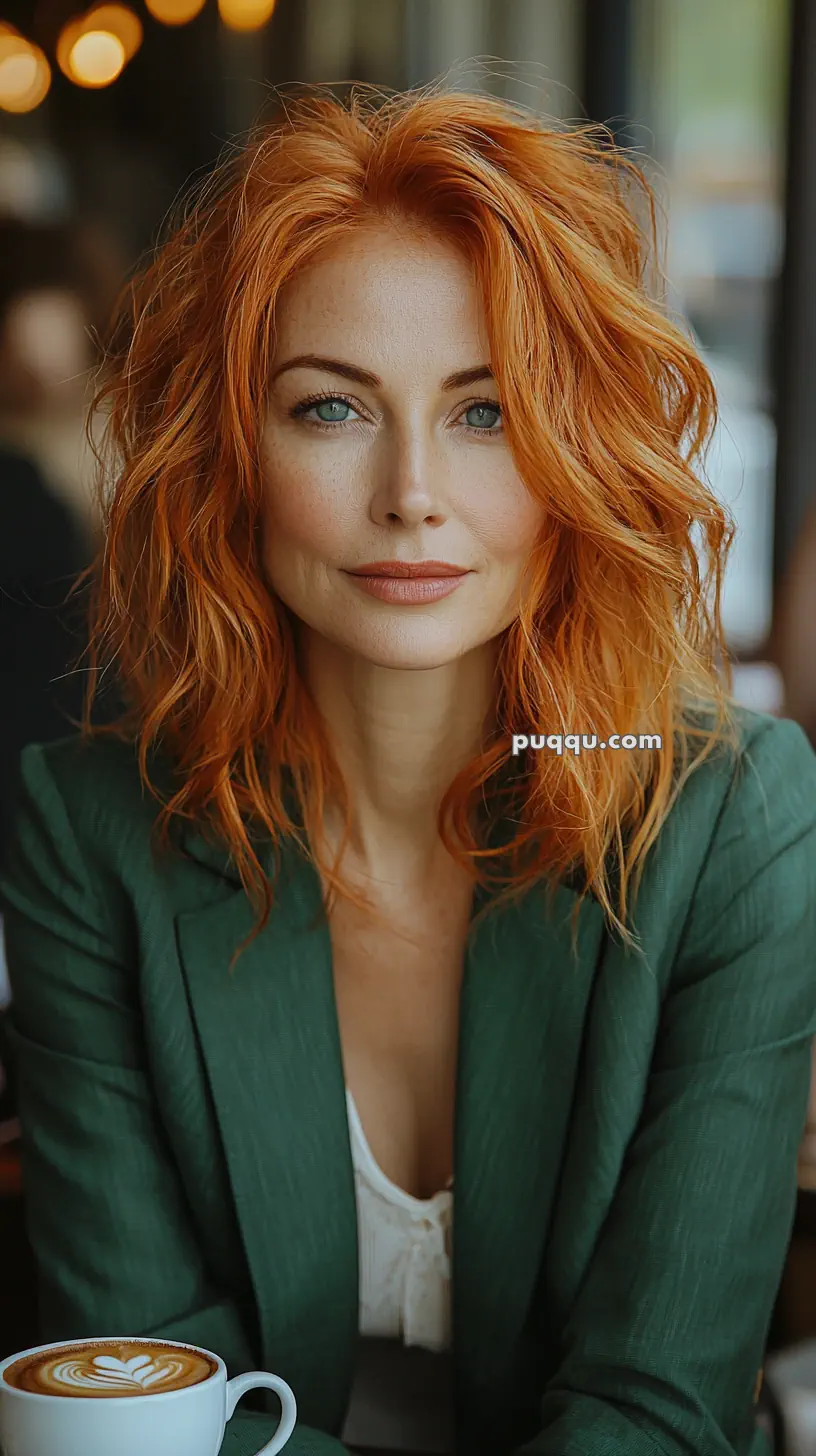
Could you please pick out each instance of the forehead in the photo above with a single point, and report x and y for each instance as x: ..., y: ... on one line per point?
x: 389, y: 288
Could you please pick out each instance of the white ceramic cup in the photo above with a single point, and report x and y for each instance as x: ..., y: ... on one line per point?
x: 186, y: 1422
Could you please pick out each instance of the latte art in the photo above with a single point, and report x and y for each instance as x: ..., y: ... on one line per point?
x: 107, y: 1370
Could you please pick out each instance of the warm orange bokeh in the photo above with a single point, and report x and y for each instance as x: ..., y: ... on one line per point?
x: 96, y: 58
x: 118, y: 20
x: 245, y: 14
x: 94, y: 48
x: 25, y: 75
x: 175, y: 12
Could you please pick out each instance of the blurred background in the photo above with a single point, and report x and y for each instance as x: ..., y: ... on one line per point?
x: 107, y: 112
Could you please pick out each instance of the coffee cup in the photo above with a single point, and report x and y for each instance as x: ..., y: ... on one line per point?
x: 126, y: 1395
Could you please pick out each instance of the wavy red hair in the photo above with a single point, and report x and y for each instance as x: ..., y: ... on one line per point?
x: 608, y: 409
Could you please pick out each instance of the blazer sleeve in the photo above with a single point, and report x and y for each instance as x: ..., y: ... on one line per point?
x: 667, y: 1336
x: 106, y: 1213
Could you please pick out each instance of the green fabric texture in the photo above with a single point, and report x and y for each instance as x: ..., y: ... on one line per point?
x: 626, y: 1125
x: 249, y: 1430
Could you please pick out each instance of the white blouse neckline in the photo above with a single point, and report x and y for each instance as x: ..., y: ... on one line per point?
x: 383, y: 1184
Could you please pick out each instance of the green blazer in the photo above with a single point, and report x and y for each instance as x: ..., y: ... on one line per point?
x: 626, y: 1128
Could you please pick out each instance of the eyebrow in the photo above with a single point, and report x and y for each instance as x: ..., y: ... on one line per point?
x: 459, y: 380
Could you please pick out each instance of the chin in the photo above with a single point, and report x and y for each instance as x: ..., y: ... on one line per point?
x: 410, y: 649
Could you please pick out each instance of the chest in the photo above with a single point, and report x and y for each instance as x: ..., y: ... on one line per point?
x: 397, y: 988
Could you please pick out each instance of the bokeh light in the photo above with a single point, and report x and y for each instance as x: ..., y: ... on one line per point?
x: 96, y: 58
x: 245, y: 14
x: 118, y: 20
x: 25, y: 75
x: 175, y: 12
x: 68, y: 37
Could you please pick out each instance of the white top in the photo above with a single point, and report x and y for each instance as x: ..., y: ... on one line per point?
x: 401, y: 1394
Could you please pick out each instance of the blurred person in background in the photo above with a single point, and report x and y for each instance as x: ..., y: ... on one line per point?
x: 793, y: 639
x: 417, y: 334
x: 42, y: 550
x: 58, y: 281
x: 792, y: 649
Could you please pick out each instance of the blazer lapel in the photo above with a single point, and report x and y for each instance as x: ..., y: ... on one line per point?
x: 524, y: 1002
x: 270, y: 1041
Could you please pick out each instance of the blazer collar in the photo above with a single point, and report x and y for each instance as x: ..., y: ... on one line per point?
x: 270, y: 1041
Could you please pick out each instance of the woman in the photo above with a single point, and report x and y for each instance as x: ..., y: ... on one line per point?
x: 309, y: 966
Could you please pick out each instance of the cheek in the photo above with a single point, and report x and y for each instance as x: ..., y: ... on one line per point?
x: 307, y: 514
x: 505, y: 519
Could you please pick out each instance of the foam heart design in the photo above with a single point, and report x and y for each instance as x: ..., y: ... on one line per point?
x: 106, y: 1371
x: 127, y: 1367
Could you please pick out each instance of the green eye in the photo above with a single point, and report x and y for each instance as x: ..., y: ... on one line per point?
x: 333, y: 402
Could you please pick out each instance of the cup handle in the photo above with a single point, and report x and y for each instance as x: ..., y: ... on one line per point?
x: 260, y: 1379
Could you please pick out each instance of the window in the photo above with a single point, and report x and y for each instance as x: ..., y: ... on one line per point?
x: 710, y: 103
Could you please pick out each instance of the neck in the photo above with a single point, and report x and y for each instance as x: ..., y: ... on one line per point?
x: 399, y: 738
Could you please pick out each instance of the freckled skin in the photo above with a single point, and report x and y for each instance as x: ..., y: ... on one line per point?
x: 405, y: 691
x: 399, y: 475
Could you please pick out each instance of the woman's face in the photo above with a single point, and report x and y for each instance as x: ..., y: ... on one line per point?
x: 398, y: 466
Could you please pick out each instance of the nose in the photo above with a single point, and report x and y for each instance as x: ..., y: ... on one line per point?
x: 409, y: 491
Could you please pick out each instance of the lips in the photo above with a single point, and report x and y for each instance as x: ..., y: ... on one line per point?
x: 409, y: 583
x: 409, y: 570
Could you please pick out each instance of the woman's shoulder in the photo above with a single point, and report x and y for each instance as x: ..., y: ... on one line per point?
x: 96, y: 769
x: 84, y: 796
x: 766, y: 750
x: 103, y: 771
x: 772, y: 741
x: 739, y: 814
x: 96, y: 785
